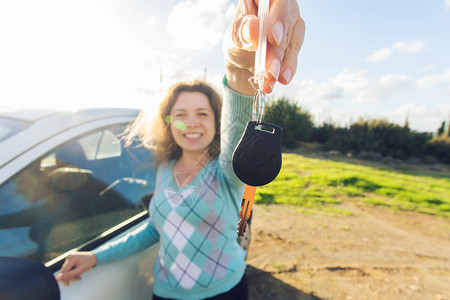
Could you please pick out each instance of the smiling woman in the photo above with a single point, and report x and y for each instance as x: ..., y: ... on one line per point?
x: 188, y: 108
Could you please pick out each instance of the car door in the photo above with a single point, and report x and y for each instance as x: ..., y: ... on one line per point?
x: 78, y: 196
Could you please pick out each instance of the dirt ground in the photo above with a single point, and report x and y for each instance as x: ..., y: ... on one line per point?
x: 373, y: 254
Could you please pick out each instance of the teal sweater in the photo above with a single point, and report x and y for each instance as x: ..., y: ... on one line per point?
x: 199, y: 256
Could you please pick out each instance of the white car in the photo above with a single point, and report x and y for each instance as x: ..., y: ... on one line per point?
x: 67, y: 183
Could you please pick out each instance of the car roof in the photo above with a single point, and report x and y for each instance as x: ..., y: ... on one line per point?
x: 45, y: 125
x: 28, y: 115
x: 35, y: 114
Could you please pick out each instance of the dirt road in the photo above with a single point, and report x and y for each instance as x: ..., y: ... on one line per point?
x: 373, y: 254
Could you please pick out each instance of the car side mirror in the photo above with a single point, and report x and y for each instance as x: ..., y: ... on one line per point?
x: 22, y: 278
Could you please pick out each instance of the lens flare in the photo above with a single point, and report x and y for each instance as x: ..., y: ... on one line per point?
x: 180, y: 125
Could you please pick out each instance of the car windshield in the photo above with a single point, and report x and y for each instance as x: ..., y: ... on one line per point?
x: 10, y: 127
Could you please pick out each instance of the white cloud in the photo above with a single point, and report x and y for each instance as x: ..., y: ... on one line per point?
x: 419, y: 116
x: 392, y: 83
x: 314, y: 90
x: 308, y: 91
x: 362, y: 89
x: 427, y: 68
x: 380, y: 55
x: 351, y: 81
x: 382, y: 89
x: 338, y: 116
x: 352, y: 85
x: 433, y: 80
x: 447, y: 4
x: 400, y: 47
x: 409, y: 47
x: 154, y: 19
x: 200, y: 24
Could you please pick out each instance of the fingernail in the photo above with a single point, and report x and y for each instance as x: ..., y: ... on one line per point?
x: 245, y: 32
x: 277, y: 32
x: 287, y: 74
x: 275, y: 68
x: 270, y: 84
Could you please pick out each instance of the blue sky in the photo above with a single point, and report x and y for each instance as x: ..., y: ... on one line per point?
x: 370, y: 59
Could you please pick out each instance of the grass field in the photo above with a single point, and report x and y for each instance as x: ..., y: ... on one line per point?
x: 320, y: 186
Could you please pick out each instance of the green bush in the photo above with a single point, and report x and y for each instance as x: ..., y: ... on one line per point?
x: 439, y: 147
x: 379, y: 136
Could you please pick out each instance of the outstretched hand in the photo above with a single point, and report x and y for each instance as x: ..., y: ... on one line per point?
x: 286, y: 31
x: 75, y: 265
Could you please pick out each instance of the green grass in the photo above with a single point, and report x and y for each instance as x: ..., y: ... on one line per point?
x: 320, y: 186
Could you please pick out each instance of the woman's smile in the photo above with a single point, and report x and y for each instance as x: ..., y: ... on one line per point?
x: 192, y: 136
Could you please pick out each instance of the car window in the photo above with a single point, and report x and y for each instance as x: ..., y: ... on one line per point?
x: 100, y: 145
x: 74, y: 193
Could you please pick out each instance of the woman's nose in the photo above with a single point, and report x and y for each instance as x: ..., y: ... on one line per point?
x: 192, y: 121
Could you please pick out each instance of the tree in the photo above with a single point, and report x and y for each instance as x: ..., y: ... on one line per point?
x: 441, y: 129
x: 448, y: 129
x: 406, y: 125
x: 296, y: 123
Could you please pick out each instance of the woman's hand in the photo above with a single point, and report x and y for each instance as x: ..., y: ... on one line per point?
x: 286, y: 32
x: 75, y: 265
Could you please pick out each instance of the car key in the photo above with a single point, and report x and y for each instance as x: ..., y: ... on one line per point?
x: 256, y: 162
x: 257, y: 157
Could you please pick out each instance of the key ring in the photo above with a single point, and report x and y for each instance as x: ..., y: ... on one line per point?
x: 259, y: 102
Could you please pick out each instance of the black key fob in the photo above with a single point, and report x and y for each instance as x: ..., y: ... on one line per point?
x: 257, y: 157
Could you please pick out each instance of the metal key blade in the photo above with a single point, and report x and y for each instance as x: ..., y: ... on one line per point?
x: 246, y: 208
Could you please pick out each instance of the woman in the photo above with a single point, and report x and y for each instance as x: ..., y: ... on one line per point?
x: 195, y: 207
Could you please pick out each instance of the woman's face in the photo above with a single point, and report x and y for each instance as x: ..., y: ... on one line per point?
x: 192, y: 122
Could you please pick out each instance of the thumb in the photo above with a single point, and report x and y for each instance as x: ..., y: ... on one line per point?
x: 241, y: 41
x: 246, y: 34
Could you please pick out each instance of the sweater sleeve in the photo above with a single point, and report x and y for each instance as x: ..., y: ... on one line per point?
x: 236, y: 112
x: 137, y: 240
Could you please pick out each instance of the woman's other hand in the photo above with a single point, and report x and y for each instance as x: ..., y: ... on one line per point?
x: 75, y: 265
x: 286, y: 32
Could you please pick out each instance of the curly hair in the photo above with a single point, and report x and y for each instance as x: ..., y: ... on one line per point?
x: 156, y: 135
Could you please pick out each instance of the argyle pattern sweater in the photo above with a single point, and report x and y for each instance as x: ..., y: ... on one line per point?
x: 199, y: 256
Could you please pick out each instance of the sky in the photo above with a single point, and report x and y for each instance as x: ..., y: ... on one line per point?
x: 360, y: 59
